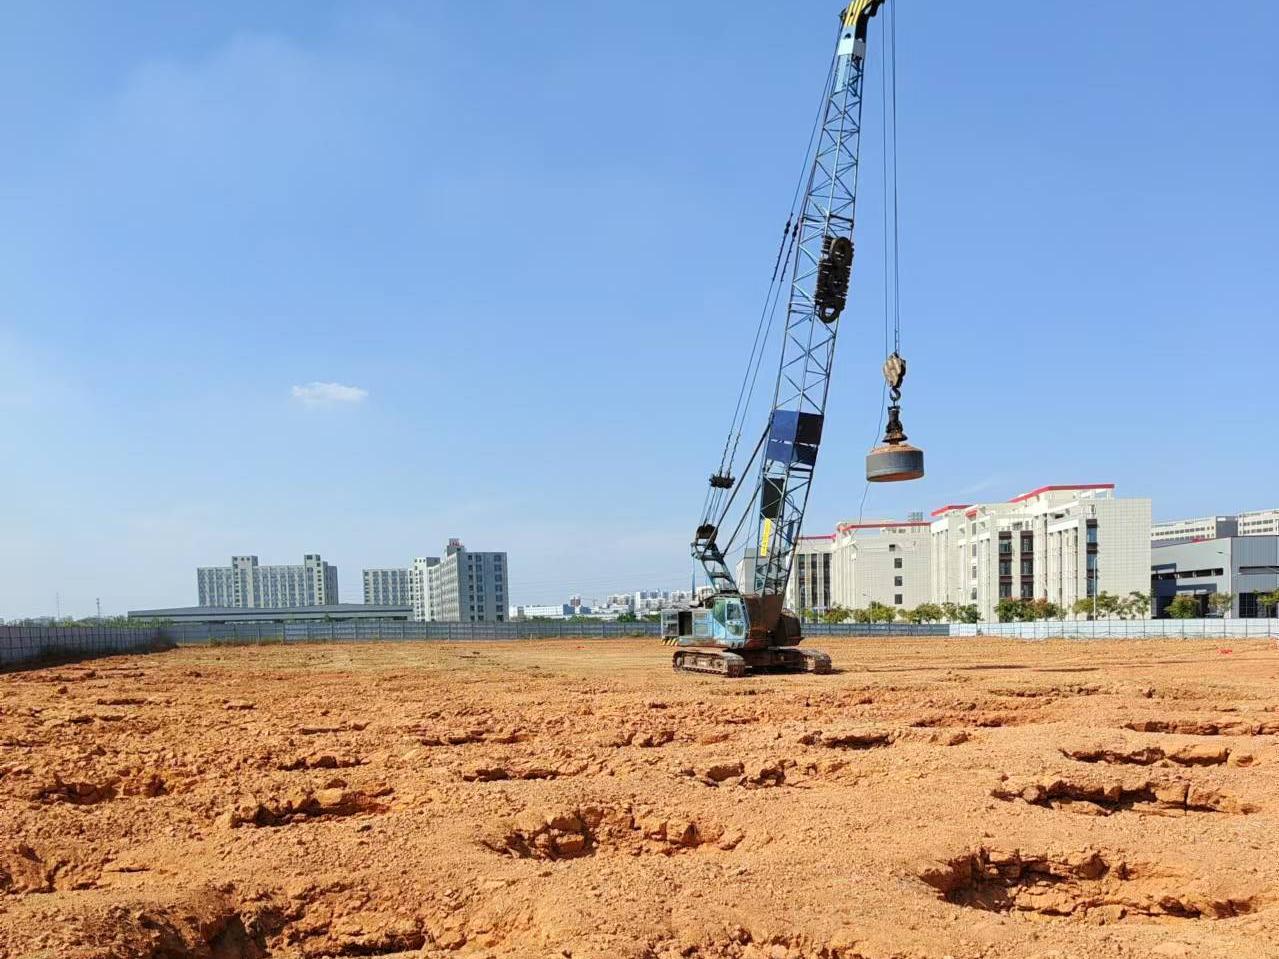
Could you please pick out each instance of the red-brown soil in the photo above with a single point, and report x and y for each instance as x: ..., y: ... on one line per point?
x: 931, y: 799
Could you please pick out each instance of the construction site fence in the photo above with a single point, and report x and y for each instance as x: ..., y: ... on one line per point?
x: 355, y: 632
x: 33, y: 644
x: 1214, y: 628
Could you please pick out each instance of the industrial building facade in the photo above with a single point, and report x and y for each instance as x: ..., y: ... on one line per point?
x: 386, y: 587
x: 884, y: 561
x: 1060, y: 543
x: 809, y: 586
x: 1189, y: 530
x: 1244, y: 567
x: 246, y: 585
x: 1258, y: 522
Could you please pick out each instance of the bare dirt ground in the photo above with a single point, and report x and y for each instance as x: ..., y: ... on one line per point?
x: 933, y: 798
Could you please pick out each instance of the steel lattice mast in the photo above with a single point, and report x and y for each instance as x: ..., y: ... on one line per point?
x: 819, y: 283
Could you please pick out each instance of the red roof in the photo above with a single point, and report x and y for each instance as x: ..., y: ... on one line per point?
x: 1025, y: 496
x: 1053, y: 489
x: 887, y: 524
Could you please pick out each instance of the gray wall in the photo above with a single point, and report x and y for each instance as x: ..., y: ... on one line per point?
x: 25, y: 644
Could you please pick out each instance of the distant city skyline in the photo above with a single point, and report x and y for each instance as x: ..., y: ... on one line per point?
x: 253, y: 297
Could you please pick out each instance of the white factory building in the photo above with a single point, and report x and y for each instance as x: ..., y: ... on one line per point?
x: 1259, y: 522
x: 809, y: 586
x: 1062, y: 543
x: 1192, y: 530
x: 883, y: 561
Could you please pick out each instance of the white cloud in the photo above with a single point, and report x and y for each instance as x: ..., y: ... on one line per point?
x: 326, y: 394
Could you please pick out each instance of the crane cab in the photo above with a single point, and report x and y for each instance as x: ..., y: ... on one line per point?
x: 723, y: 624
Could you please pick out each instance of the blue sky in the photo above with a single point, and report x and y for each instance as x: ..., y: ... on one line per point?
x: 534, y: 238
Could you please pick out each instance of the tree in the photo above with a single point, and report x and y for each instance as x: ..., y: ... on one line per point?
x: 862, y: 616
x: 1108, y: 604
x: 1268, y: 603
x: 627, y: 617
x: 1008, y: 610
x: 928, y: 613
x: 1184, y: 607
x: 1042, y: 608
x: 1082, y: 606
x: 836, y: 614
x: 1221, y: 604
x: 950, y: 612
x: 923, y: 613
x: 881, y: 613
x: 1136, y: 605
x: 969, y: 613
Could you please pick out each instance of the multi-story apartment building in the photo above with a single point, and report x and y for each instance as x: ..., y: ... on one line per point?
x: 468, y: 587
x: 1062, y: 543
x: 884, y: 561
x: 245, y: 584
x: 810, y: 579
x: 420, y: 588
x: 386, y: 587
x: 1190, y: 530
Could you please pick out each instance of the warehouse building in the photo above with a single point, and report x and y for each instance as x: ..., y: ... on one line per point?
x: 1244, y: 567
x: 329, y: 613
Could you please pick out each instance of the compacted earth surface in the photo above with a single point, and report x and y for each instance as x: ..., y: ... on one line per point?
x: 576, y: 799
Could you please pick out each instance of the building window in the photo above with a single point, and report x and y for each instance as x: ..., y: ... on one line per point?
x: 897, y: 599
x: 897, y: 563
x: 897, y: 580
x: 1005, y: 590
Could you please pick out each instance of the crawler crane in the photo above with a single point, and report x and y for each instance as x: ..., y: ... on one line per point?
x: 737, y: 629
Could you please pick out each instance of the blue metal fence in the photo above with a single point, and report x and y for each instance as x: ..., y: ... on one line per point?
x: 24, y: 644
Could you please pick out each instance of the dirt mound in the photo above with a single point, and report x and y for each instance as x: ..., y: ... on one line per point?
x: 1191, y: 755
x: 332, y: 801
x: 592, y: 830
x: 1205, y: 727
x: 1095, y: 796
x: 1099, y: 886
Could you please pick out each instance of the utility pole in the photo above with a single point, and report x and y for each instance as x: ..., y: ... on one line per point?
x: 57, y: 606
x: 98, y: 601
